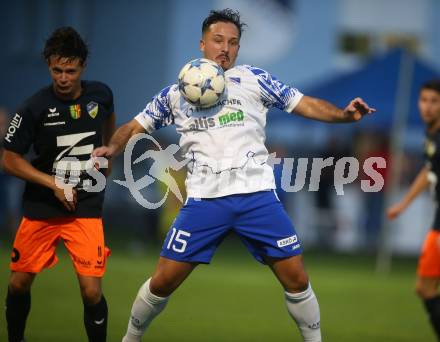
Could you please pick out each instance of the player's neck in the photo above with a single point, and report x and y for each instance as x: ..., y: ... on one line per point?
x: 435, y: 127
x: 75, y: 94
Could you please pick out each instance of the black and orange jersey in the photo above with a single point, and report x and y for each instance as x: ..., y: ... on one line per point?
x: 432, y: 157
x: 63, y: 133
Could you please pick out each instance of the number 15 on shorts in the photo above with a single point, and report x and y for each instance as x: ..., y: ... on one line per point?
x: 177, y: 242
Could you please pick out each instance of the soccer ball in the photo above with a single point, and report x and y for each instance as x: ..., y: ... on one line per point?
x: 201, y: 82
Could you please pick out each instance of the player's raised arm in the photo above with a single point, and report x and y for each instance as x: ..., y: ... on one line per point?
x: 317, y: 109
x: 419, y: 184
x: 119, y: 139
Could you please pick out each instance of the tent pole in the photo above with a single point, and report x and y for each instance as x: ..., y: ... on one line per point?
x: 400, y: 118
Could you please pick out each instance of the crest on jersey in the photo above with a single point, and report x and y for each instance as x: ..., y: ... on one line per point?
x: 92, y: 109
x: 430, y: 148
x: 75, y: 111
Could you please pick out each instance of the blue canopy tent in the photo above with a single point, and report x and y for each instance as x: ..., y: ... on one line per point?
x: 377, y: 82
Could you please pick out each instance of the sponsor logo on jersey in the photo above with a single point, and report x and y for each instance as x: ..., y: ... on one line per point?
x: 15, y: 124
x: 57, y: 123
x: 92, y: 109
x: 75, y: 111
x: 230, y: 117
x: 53, y: 112
x: 202, y: 123
x: 287, y: 241
x: 225, y: 102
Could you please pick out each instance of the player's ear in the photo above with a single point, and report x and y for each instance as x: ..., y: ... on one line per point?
x: 202, y: 45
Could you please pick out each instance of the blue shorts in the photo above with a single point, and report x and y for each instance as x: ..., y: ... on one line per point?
x: 258, y: 218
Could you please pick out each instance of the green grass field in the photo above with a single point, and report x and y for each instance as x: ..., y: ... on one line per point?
x: 234, y: 299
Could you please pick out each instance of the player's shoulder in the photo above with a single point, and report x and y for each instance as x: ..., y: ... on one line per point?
x: 96, y: 86
x: 247, y: 72
x: 246, y: 69
x: 170, y: 90
x: 169, y: 95
x: 38, y: 99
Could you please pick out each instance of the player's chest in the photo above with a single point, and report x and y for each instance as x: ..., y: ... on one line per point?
x: 231, y: 113
x: 59, y: 118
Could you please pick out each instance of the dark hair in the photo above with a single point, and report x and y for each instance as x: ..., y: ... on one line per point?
x: 67, y: 43
x: 432, y: 85
x: 226, y: 15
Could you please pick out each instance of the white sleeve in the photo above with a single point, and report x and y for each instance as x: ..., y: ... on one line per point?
x: 274, y: 93
x: 157, y: 113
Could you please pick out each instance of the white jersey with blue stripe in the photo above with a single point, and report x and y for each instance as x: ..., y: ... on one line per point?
x: 225, y: 143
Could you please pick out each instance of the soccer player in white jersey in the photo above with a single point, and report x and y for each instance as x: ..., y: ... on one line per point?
x: 247, y: 203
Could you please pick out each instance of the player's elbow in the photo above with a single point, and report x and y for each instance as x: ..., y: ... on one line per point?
x: 8, y: 161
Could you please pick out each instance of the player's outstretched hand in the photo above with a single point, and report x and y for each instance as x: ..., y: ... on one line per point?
x: 395, y: 211
x: 103, y: 151
x: 357, y: 108
x: 66, y: 194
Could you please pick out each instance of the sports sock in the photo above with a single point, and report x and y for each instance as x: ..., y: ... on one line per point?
x: 95, y: 320
x: 304, y: 309
x: 432, y: 305
x: 17, y: 309
x: 145, y: 308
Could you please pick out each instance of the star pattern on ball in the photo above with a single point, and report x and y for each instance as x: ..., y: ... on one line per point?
x: 196, y: 63
x: 182, y: 85
x: 206, y: 86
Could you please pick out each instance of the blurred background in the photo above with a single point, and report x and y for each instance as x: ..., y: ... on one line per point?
x: 336, y: 50
x: 381, y: 50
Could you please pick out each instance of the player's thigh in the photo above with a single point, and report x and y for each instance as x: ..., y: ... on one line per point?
x: 199, y: 228
x: 265, y: 228
x: 34, y: 246
x: 84, y: 239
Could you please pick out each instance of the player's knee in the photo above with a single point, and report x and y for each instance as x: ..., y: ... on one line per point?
x: 297, y: 283
x: 424, y: 292
x: 162, y: 286
x: 91, y: 294
x: 19, y: 285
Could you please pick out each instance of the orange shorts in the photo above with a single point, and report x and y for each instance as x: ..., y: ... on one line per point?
x: 36, y: 241
x: 429, y: 261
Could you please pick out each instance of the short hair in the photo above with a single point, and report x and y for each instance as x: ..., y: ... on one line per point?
x: 65, y: 42
x: 432, y: 85
x: 226, y: 15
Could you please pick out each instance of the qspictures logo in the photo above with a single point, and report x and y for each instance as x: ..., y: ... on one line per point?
x: 345, y: 171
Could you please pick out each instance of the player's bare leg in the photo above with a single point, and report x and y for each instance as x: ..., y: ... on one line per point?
x: 95, y: 308
x: 300, y: 299
x: 427, y: 290
x: 18, y: 303
x: 153, y: 295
